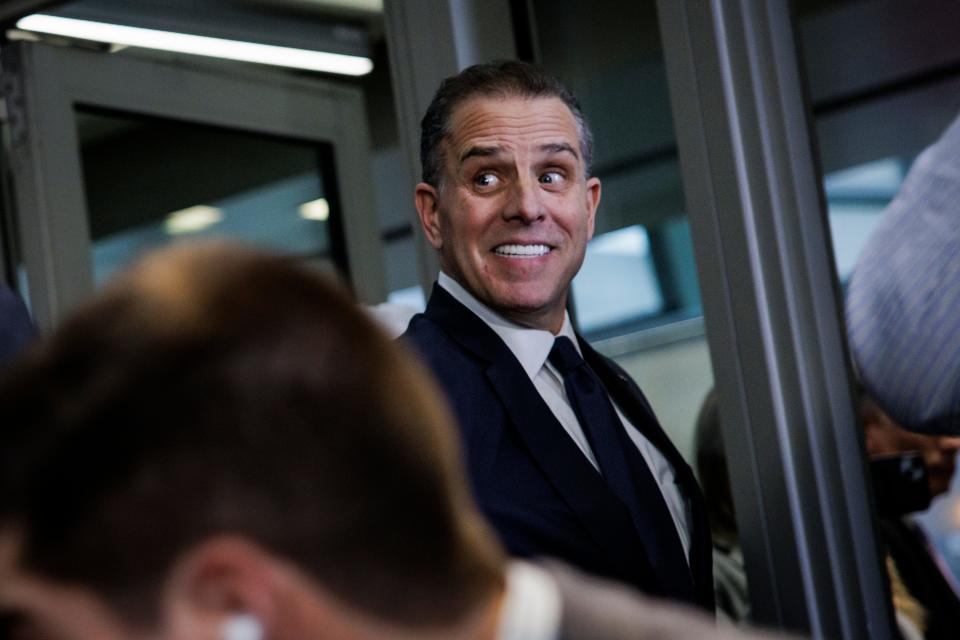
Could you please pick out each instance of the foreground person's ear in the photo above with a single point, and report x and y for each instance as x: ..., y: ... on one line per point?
x: 241, y: 626
x: 225, y: 588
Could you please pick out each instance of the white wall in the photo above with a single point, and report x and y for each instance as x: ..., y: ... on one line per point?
x: 675, y: 379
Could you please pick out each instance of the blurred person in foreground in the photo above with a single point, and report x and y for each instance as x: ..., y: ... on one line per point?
x: 903, y: 328
x: 222, y: 446
x: 924, y: 592
x: 903, y: 298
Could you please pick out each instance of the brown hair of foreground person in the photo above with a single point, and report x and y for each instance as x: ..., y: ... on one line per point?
x: 217, y: 400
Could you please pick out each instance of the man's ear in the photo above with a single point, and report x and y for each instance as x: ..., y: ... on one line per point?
x: 217, y: 581
x: 427, y: 201
x: 593, y: 201
x: 231, y: 584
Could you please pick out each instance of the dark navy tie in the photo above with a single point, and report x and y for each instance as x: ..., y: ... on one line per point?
x: 624, y: 469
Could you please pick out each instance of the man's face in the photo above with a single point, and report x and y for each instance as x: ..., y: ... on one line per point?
x: 515, y: 211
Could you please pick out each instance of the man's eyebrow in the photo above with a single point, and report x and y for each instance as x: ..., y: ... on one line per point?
x: 480, y: 152
x: 549, y: 148
x: 558, y: 147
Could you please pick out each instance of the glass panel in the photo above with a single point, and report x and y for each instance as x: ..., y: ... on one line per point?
x: 637, y: 292
x: 150, y: 182
x: 617, y: 282
x: 609, y: 53
x: 878, y: 102
x: 400, y: 261
x: 637, y: 297
x: 855, y: 198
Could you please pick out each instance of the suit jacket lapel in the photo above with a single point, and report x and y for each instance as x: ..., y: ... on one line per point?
x: 581, y: 487
x: 634, y: 405
x: 632, y: 402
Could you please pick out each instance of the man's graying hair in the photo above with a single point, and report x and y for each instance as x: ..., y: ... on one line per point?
x: 503, y: 78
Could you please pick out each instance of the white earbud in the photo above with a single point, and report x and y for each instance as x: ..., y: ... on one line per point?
x: 242, y: 626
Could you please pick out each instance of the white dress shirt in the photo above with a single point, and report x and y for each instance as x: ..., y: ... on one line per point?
x: 532, y: 348
x: 532, y: 604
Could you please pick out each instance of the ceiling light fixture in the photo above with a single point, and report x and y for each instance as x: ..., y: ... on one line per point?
x: 192, y: 219
x: 197, y: 45
x: 318, y: 210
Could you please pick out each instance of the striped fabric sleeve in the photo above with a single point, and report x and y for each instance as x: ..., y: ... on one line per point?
x: 903, y: 298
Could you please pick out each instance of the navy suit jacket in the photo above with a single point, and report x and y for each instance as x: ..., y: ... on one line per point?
x: 531, y: 480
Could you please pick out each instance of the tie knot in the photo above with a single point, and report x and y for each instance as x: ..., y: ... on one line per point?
x: 564, y: 356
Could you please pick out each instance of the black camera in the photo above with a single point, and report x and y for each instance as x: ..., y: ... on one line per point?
x: 900, y: 484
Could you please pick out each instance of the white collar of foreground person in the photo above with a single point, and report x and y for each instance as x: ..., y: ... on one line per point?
x: 553, y: 601
x: 539, y: 601
x: 532, y: 605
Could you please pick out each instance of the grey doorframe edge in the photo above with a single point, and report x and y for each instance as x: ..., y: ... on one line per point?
x: 764, y: 257
x: 43, y: 82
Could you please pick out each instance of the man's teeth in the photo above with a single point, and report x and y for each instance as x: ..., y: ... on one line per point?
x: 522, y: 250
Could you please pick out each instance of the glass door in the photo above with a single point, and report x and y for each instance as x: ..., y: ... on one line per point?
x: 114, y: 155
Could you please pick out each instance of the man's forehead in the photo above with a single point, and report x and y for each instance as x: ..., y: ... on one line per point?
x: 494, y: 121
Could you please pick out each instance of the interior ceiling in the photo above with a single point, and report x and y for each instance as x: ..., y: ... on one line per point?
x: 339, y: 26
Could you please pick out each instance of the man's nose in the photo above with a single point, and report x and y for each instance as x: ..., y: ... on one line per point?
x: 525, y: 203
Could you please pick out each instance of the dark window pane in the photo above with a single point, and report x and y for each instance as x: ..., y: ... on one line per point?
x: 151, y: 181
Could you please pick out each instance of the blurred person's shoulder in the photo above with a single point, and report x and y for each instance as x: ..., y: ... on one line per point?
x: 598, y: 609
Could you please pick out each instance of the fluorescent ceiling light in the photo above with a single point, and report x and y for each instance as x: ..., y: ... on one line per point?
x: 370, y: 6
x: 318, y: 209
x: 197, y: 45
x: 192, y: 219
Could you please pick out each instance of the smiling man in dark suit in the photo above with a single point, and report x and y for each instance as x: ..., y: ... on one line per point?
x: 565, y: 455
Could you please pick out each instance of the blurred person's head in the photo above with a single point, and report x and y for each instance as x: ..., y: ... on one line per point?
x: 222, y: 446
x: 903, y: 297
x: 712, y: 471
x: 884, y: 437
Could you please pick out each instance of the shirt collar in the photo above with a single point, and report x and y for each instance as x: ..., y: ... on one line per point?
x: 532, y: 605
x: 530, y: 346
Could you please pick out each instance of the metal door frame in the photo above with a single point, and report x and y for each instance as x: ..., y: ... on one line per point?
x: 42, y: 83
x: 771, y: 301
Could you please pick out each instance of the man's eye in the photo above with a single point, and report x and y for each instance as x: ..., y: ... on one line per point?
x: 551, y: 177
x: 486, y: 180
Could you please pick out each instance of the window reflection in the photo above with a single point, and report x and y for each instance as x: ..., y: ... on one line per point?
x: 636, y: 297
x: 151, y: 181
x: 617, y: 282
x: 855, y: 199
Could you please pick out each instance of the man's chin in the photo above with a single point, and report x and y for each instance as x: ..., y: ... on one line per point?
x: 536, y: 314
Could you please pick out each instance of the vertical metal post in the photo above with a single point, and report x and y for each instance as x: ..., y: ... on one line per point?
x: 770, y: 297
x: 427, y: 41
